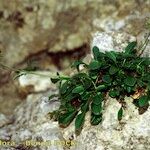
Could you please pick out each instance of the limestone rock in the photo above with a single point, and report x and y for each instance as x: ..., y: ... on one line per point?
x: 27, y: 28
x: 31, y: 123
x: 111, y: 41
x: 3, y: 120
x: 133, y: 132
x: 117, y: 41
x: 35, y: 79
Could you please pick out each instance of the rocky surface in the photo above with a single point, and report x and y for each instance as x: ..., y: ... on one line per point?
x: 117, y: 41
x: 112, y: 41
x: 27, y: 27
x: 31, y: 123
x: 133, y: 132
x: 50, y: 33
x: 31, y: 128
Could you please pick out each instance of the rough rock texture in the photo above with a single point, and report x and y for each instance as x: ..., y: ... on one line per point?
x: 133, y: 132
x: 111, y: 41
x: 117, y: 41
x: 28, y: 27
x: 46, y: 31
x: 31, y: 122
x: 35, y: 81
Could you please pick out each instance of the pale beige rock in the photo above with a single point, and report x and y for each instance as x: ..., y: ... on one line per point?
x: 111, y: 41
x: 31, y: 122
x: 29, y: 27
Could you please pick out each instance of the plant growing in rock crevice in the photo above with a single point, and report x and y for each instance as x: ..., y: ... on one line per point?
x: 117, y: 74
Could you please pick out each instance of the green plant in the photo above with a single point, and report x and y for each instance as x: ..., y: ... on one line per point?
x: 117, y: 74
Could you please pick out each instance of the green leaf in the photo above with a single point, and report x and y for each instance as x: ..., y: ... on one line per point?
x: 130, y: 81
x: 79, y: 122
x: 129, y: 89
x: 65, y: 119
x: 143, y: 101
x: 94, y: 65
x: 114, y: 93
x: 129, y: 49
x: 95, y: 52
x: 140, y: 69
x: 136, y: 103
x: 85, y: 107
x: 78, y: 89
x: 77, y: 63
x: 101, y: 87
x: 111, y: 55
x: 65, y: 86
x: 96, y: 119
x: 96, y: 109
x: 87, y: 82
x: 106, y: 79
x: 140, y: 83
x: 85, y: 96
x: 120, y: 113
x: 80, y: 75
x: 97, y: 99
x: 55, y: 80
x: 93, y: 74
x: 84, y: 78
x: 69, y: 107
x: 69, y: 96
x: 146, y: 77
x: 113, y: 70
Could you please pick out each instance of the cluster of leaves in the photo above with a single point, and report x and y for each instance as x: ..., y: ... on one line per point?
x: 117, y: 74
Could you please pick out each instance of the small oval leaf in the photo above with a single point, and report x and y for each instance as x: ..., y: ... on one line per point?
x: 111, y: 55
x: 78, y: 89
x: 97, y: 99
x: 94, y: 65
x: 129, y: 49
x: 130, y: 81
x: 143, y: 101
x: 106, y: 79
x: 113, y: 70
x: 120, y: 113
x: 79, y: 122
x: 96, y: 119
x: 65, y: 119
x: 96, y: 109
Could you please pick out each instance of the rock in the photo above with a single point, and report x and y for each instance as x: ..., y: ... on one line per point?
x: 9, y: 97
x: 117, y: 41
x: 133, y: 132
x: 110, y: 41
x: 31, y: 123
x: 3, y: 120
x: 35, y: 79
x: 28, y: 28
x: 31, y: 127
x: 142, y: 38
x: 41, y: 30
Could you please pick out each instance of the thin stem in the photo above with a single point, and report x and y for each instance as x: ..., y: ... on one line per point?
x: 35, y: 73
x: 8, y: 68
x: 143, y: 46
x: 23, y: 72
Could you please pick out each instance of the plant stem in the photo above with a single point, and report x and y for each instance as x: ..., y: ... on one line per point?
x: 143, y: 46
